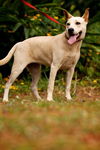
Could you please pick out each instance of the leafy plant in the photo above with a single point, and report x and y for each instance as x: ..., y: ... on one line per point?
x: 19, y: 22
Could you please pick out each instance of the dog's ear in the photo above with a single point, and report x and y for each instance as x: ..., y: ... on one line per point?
x: 67, y: 14
x: 86, y: 15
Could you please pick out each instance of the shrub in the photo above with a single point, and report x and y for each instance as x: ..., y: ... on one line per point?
x: 18, y: 22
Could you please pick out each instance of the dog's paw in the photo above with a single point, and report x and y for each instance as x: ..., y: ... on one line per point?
x: 39, y: 98
x: 50, y: 100
x: 68, y: 97
x: 5, y: 101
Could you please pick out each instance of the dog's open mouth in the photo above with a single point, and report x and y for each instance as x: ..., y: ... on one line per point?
x: 74, y: 37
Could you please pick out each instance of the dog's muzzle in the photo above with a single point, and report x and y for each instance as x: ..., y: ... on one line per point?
x: 73, y: 37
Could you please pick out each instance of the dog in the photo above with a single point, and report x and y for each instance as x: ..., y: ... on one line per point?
x: 59, y: 52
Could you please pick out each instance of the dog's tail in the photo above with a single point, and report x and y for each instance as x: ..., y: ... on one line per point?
x: 8, y: 57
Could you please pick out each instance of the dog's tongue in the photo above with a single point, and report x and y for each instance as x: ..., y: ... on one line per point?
x: 72, y: 39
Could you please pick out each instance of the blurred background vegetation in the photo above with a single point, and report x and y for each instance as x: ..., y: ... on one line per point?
x: 18, y: 22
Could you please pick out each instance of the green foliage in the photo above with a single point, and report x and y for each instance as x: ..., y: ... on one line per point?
x: 19, y: 22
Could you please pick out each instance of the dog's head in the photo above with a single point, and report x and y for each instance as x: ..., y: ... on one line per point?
x: 76, y: 26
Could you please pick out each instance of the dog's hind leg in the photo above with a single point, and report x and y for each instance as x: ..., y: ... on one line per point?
x: 35, y: 70
x: 17, y: 69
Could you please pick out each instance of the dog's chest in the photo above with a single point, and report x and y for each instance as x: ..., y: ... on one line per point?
x: 69, y: 61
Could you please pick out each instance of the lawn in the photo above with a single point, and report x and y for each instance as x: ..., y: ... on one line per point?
x: 26, y: 124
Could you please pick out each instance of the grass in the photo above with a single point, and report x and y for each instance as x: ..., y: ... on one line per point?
x: 26, y: 124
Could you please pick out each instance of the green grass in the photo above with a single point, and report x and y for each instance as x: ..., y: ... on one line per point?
x: 26, y: 124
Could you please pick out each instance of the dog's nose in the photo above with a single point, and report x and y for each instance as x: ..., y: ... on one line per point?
x: 70, y: 30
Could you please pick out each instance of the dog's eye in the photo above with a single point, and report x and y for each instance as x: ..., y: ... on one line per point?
x: 77, y: 23
x: 68, y: 24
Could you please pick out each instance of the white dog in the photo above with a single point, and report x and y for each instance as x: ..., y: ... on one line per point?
x: 60, y: 52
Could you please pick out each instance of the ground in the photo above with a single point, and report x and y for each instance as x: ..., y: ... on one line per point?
x: 26, y: 124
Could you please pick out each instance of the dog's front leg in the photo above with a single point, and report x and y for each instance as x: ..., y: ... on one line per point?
x: 69, y: 76
x: 53, y: 72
